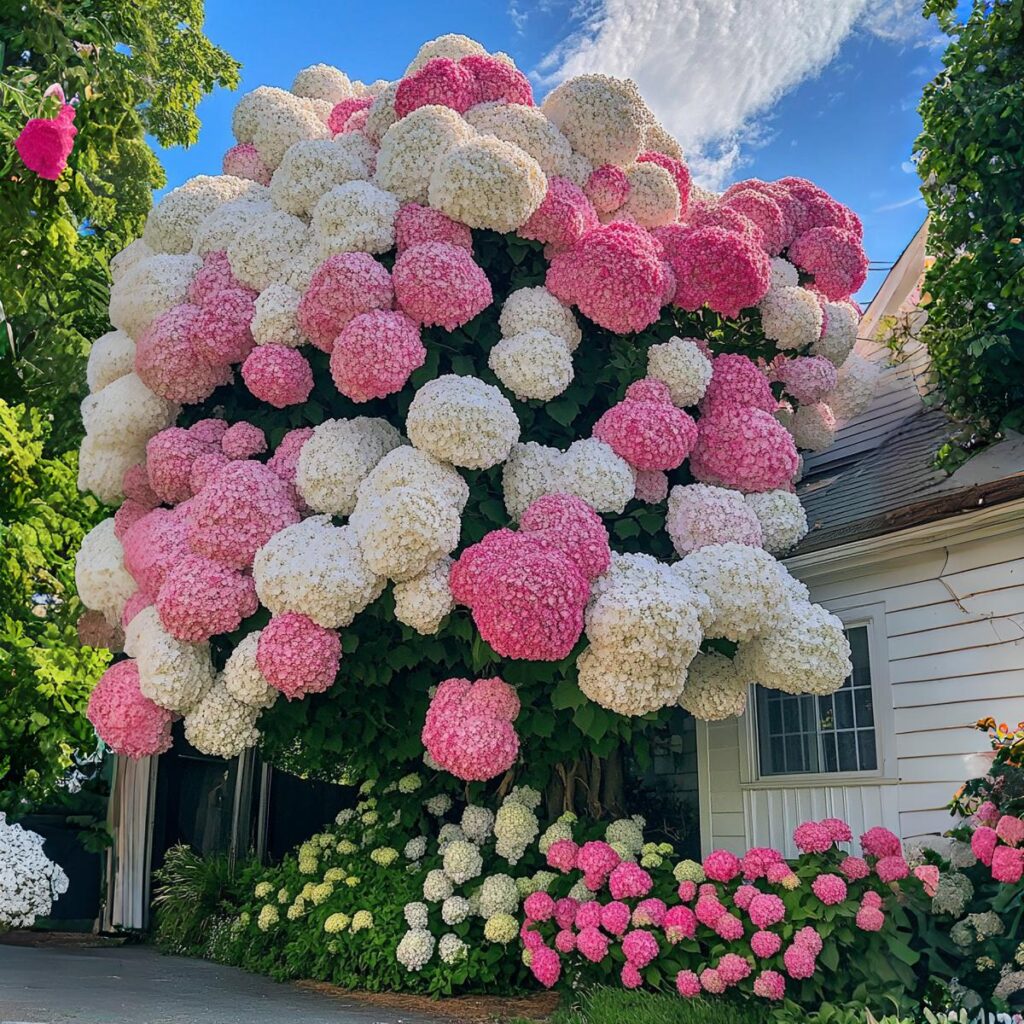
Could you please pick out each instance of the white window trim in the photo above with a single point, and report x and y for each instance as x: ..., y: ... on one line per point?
x: 873, y: 617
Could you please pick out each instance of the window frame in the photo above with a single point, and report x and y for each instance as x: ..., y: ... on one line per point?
x: 872, y: 617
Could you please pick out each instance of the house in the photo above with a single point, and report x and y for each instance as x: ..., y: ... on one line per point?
x: 926, y: 570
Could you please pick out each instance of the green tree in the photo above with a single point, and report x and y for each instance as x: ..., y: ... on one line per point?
x: 134, y: 68
x: 971, y: 160
x: 45, y: 676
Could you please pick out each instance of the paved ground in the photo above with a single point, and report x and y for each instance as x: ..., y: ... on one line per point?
x: 136, y: 985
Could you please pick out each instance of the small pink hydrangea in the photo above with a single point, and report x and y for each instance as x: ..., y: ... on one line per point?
x: 765, y: 944
x: 129, y: 723
x: 649, y: 913
x: 891, y: 869
x: 615, y: 917
x: 561, y: 855
x: 763, y: 211
x: 539, y: 906
x: 565, y: 912
x: 375, y: 355
x: 631, y: 976
x: 127, y: 516
x: 733, y: 968
x: 133, y: 606
x: 640, y: 947
x: 839, y: 829
x: 562, y: 218
x: 244, y: 161
x: 880, y: 842
x: 766, y: 909
x: 205, y: 468
x: 296, y: 656
x: 343, y: 286
x: 756, y: 861
x: 813, y: 837
x: 1010, y: 829
x: 469, y: 728
x: 687, y: 891
x: 712, y: 982
x: 200, y: 598
x: 569, y: 524
x: 243, y: 440
x: 928, y: 876
x: 834, y: 256
x: 808, y: 379
x: 830, y: 889
x: 341, y: 112
x: 588, y: 915
x: 688, y: 984
x: 679, y: 171
x: 221, y: 330
x: 592, y: 943
x: 278, y: 375
x: 721, y: 865
x: 169, y: 458
x: 497, y: 81
x: 440, y: 82
x: 870, y: 919
x: 986, y: 814
x: 983, y: 842
x: 155, y: 543
x: 546, y: 966
x: 607, y: 188
x: 679, y: 923
x: 438, y: 284
x: 1007, y: 864
x: 629, y: 881
x: 417, y: 224
x: 136, y: 486
x: 597, y: 859
x: 872, y: 899
x: 800, y: 962
x: 809, y: 938
x: 651, y: 486
x: 565, y: 941
x: 770, y: 985
x: 729, y: 927
x: 285, y: 460
x: 737, y: 380
x: 854, y: 868
x: 214, y: 277
x: 708, y: 910
x: 779, y: 874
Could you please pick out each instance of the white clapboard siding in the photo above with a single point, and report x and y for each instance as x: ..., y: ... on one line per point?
x: 950, y: 617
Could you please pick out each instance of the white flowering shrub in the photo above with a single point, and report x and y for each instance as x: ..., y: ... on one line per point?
x: 30, y: 882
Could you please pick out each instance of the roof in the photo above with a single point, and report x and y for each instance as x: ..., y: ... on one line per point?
x: 879, y: 476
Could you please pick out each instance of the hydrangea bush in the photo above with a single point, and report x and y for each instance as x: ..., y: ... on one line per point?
x: 30, y: 882
x: 440, y: 386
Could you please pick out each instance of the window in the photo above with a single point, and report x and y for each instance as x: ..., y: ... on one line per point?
x: 799, y: 735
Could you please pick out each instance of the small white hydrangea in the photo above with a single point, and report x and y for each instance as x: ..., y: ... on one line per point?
x: 415, y: 949
x: 452, y: 46
x: 417, y: 915
x: 265, y: 250
x: 682, y: 366
x: 501, y: 929
x: 534, y: 364
x: 477, y: 823
x: 813, y: 426
x: 653, y: 196
x: 527, y: 128
x: 627, y: 833
x: 454, y: 910
x: 103, y: 583
x: 173, y: 221
x: 782, y: 518
x: 437, y: 886
x: 498, y: 895
x: 172, y: 673
x: 527, y: 309
x: 355, y: 217
x: 216, y: 231
x: 462, y: 861
x: 220, y: 725
x: 840, y: 332
x: 110, y: 356
x: 322, y: 82
x: 150, y: 287
x: 276, y: 321
x: 423, y: 602
x: 515, y: 827
x: 415, y: 848
x: 438, y: 805
x: 855, y: 388
x: 243, y: 679
x: 784, y: 274
x: 451, y: 949
x: 310, y: 169
x: 791, y: 317
x: 29, y: 881
x: 701, y: 514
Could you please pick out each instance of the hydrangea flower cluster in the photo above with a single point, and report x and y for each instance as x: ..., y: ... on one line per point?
x: 30, y: 882
x: 346, y: 262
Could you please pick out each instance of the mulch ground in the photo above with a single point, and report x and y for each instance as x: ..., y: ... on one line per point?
x: 467, y: 1009
x: 77, y: 940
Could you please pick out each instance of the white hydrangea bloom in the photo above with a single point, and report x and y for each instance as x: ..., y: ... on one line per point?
x: 842, y: 321
x: 477, y: 823
x: 791, y: 317
x: 263, y: 251
x: 555, y: 832
x: 355, y: 217
x: 579, y: 169
x: 438, y: 805
x: 102, y: 581
x: 128, y: 257
x: 535, y: 364
x: 603, y: 118
x: 415, y: 949
x: 653, y: 196
x: 451, y: 949
x: 450, y: 833
x: 220, y: 725
x: 424, y: 601
x: 276, y: 321
x: 462, y: 420
x: 784, y: 274
x: 529, y: 308
x: 172, y: 673
x: 527, y: 128
x: 855, y: 388
x: 242, y: 677
x: 487, y: 183
x: 101, y: 467
x: 462, y: 861
x: 454, y: 910
x: 411, y: 148
x: 173, y: 221
x: 322, y: 82
x: 415, y: 849
x: 437, y: 886
x: 126, y: 413
x: 680, y: 364
x: 627, y: 833
x: 498, y: 895
x: 807, y: 653
x: 782, y: 518
x: 283, y: 124
x: 515, y: 828
x: 525, y: 795
x: 417, y: 915
x: 745, y: 585
x: 715, y: 689
x: 452, y: 45
x: 813, y: 426
x: 381, y: 114
x: 110, y: 356
x: 311, y: 168
x: 334, y: 461
x: 216, y: 232
x: 147, y: 289
x: 700, y: 514
x: 29, y: 881
x: 255, y: 105
x: 658, y: 140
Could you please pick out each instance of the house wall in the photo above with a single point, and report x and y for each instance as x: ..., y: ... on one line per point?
x: 945, y: 609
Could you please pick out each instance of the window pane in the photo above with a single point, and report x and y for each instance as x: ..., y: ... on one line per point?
x: 843, y: 701
x: 867, y: 750
x: 847, y: 751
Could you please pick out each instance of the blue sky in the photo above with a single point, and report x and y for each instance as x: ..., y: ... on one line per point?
x: 758, y: 88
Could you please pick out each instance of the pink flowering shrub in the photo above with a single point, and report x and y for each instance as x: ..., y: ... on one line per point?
x: 45, y: 143
x: 437, y: 283
x: 375, y: 354
x: 127, y: 722
x: 296, y: 656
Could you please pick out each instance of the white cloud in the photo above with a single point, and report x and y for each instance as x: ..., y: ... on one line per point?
x: 710, y: 68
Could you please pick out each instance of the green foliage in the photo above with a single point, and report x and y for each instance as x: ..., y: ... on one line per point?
x: 1003, y: 782
x: 136, y: 68
x: 619, y: 1006
x: 971, y: 160
x: 45, y: 677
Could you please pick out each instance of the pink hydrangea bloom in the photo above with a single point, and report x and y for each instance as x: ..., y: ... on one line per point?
x: 440, y: 284
x: 127, y: 722
x: 562, y: 218
x: 220, y: 331
x: 928, y: 876
x: 153, y: 544
x: 800, y: 961
x: 631, y: 976
x: 375, y: 355
x: 651, y: 486
x: 297, y: 656
x: 588, y: 915
x: 986, y: 814
x: 469, y: 728
x: 169, y: 458
x: 679, y: 923
x: 1007, y: 864
x: 285, y: 460
x: 343, y: 286
x: 546, y: 966
x: 764, y: 213
x: 167, y: 362
x: 744, y: 896
x: 649, y: 913
x: 126, y: 516
x: 714, y: 267
x: 687, y: 891
x: 766, y: 909
x: 615, y: 917
x: 870, y: 919
x: 983, y: 843
x: 204, y: 468
x: 1010, y: 829
x: 891, y: 869
x: 717, y: 215
x: 592, y: 943
x: 745, y: 449
x: 830, y: 889
x: 441, y: 82
x: 597, y: 859
x: 614, y: 274
x: 835, y: 257
x: 708, y: 910
x: 531, y: 939
x: 133, y: 606
x: 737, y: 380
x: 561, y: 855
x: 871, y: 899
x: 212, y: 278
x: 770, y: 985
x: 813, y: 837
x: 569, y: 524
x: 640, y: 947
x: 839, y: 829
x: 565, y: 912
x: 779, y: 874
x: 45, y: 143
x: 244, y: 161
x: 765, y: 944
x: 880, y: 842
x: 854, y: 868
x: 721, y: 865
x: 733, y: 968
x: 136, y: 486
x: 629, y: 881
x: 237, y: 512
x: 729, y: 927
x: 607, y: 188
x: 711, y: 981
x: 417, y: 224
x: 756, y: 861
x: 496, y: 80
x: 278, y: 375
x: 200, y: 597
x: 539, y: 906
x: 807, y: 378
x: 650, y: 433
x: 688, y: 984
x: 818, y: 208
x: 243, y: 440
x: 341, y: 112
x: 565, y: 941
